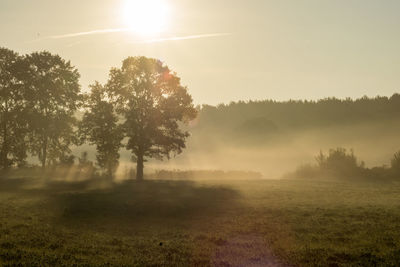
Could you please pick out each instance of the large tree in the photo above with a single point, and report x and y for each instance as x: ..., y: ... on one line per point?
x: 100, y: 127
x: 153, y: 103
x: 54, y: 96
x: 12, y: 109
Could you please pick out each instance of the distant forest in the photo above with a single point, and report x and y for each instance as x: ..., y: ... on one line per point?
x: 269, y: 117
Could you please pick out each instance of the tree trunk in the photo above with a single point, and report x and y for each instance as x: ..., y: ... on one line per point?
x: 4, y: 159
x: 139, y: 167
x: 44, y: 151
x: 4, y: 149
x: 44, y: 145
x: 110, y: 170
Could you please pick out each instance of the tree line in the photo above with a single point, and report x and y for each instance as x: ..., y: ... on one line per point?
x: 298, y: 114
x: 140, y: 107
x: 264, y: 122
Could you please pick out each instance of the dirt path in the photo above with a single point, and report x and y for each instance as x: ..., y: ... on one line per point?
x: 245, y: 251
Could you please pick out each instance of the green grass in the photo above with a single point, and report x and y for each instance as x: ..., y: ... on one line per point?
x: 178, y: 223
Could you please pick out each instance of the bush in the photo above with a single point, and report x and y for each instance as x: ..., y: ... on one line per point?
x: 395, y: 163
x: 307, y: 171
x: 339, y: 161
x: 67, y: 160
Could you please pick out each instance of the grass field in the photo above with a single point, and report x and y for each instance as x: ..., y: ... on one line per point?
x: 183, y: 223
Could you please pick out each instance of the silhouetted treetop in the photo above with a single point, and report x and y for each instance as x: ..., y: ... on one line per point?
x: 153, y: 103
x: 53, y: 98
x: 13, y: 111
x: 99, y: 127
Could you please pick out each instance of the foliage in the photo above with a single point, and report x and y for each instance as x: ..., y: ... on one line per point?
x: 305, y: 171
x: 83, y: 160
x: 85, y: 166
x: 152, y: 102
x: 99, y: 126
x: 54, y: 96
x: 13, y: 122
x: 67, y: 160
x: 395, y: 163
x: 255, y: 119
x: 340, y: 162
x: 40, y: 96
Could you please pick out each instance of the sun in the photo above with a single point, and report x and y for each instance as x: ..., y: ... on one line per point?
x: 146, y: 17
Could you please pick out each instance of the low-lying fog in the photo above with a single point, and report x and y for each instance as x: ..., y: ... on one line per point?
x: 275, y: 154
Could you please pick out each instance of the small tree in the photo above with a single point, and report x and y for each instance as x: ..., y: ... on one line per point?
x: 84, y: 159
x: 67, y: 160
x: 395, y: 163
x: 99, y: 127
x: 84, y: 164
x: 153, y: 103
x: 54, y: 96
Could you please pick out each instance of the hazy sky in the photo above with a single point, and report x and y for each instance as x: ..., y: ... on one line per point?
x: 270, y: 49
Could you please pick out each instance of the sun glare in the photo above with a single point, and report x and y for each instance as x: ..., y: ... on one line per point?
x: 146, y: 17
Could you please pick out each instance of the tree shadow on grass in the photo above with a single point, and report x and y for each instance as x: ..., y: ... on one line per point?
x: 46, y: 186
x: 12, y: 185
x: 132, y: 201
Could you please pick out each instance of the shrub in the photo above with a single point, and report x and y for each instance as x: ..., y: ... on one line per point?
x: 308, y: 171
x: 395, y: 163
x: 339, y: 161
x: 67, y: 160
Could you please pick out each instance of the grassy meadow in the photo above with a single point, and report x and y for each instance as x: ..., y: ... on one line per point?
x: 97, y: 222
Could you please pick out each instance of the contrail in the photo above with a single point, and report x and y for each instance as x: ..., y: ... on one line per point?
x: 149, y: 41
x: 179, y: 38
x: 70, y: 35
x: 157, y: 40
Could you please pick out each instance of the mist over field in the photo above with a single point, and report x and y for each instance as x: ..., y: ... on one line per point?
x: 132, y: 173
x: 209, y: 133
x: 274, y: 138
x: 284, y: 152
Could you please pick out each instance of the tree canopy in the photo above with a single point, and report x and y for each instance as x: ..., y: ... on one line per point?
x: 143, y: 103
x: 99, y: 126
x: 153, y: 103
x: 54, y: 96
x: 13, y: 122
